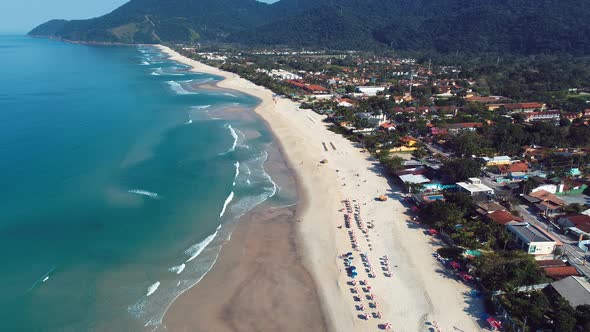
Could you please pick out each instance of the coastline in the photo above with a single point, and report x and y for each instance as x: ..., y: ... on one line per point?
x: 419, y: 295
x: 257, y: 239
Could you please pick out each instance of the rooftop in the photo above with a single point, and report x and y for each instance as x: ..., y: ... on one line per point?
x: 411, y: 178
x: 503, y: 217
x: 528, y: 232
x: 560, y: 272
x: 476, y: 187
x: 544, y: 195
x: 576, y: 290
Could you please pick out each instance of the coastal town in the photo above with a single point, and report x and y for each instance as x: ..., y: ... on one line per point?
x: 496, y: 183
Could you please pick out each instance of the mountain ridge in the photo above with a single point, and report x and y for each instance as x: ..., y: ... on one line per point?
x: 445, y: 26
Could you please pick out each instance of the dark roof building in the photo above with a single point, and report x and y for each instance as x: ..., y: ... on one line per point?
x: 576, y: 290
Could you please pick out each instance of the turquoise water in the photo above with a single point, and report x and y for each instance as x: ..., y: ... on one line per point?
x: 115, y: 167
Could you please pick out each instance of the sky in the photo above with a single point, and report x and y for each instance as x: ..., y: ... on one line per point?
x: 20, y: 16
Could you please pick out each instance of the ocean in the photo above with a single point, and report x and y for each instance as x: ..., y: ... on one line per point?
x: 121, y: 176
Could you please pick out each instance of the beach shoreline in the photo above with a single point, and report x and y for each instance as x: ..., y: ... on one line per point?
x: 418, y: 295
x: 250, y: 229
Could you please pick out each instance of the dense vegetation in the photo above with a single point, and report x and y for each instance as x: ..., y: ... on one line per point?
x: 445, y: 26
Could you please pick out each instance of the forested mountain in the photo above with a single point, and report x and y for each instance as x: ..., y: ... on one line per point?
x: 514, y: 26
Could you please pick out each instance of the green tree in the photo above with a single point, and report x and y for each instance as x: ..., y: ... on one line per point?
x: 461, y: 169
x: 582, y: 315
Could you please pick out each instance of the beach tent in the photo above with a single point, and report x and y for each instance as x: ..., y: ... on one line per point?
x: 455, y: 265
x: 433, y: 231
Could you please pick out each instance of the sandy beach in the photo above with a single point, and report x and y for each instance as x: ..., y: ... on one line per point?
x: 417, y: 294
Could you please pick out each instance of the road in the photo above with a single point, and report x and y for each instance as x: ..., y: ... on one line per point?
x: 436, y: 150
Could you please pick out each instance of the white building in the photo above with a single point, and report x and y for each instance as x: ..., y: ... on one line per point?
x: 373, y: 119
x: 473, y: 187
x: 531, y: 238
x: 370, y: 90
x: 552, y: 188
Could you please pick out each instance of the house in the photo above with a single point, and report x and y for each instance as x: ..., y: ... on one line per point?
x: 413, y: 178
x: 531, y: 238
x: 517, y: 107
x: 570, y: 186
x: 408, y: 144
x: 312, y: 88
x: 502, y: 217
x: 485, y: 100
x: 496, y: 161
x: 575, y: 290
x: 560, y: 272
x: 542, y: 116
x: 512, y: 168
x: 370, y: 90
x: 548, y: 203
x: 408, y: 141
x: 485, y: 208
x: 457, y: 127
x: 474, y: 187
x: 544, y: 184
x: 577, y: 225
x: 387, y: 126
x: 373, y: 119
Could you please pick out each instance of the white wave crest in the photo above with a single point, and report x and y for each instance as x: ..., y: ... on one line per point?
x: 152, y: 288
x: 237, y: 164
x: 157, y: 72
x: 144, y: 193
x: 144, y: 63
x: 178, y: 89
x: 202, y: 107
x: 234, y: 135
x: 189, y: 122
x: 195, y: 250
x: 226, y: 203
x: 177, y: 269
x: 230, y: 95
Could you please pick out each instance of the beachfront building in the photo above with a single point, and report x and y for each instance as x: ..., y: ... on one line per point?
x: 475, y: 188
x: 531, y: 239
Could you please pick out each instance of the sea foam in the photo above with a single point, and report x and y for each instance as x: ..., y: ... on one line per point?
x: 195, y: 250
x: 226, y: 203
x: 177, y: 269
x: 237, y: 164
x: 234, y: 135
x: 178, y: 89
x: 152, y: 288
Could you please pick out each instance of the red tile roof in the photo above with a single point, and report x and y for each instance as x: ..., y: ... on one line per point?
x: 503, y: 217
x: 560, y: 272
x: 551, y: 263
x: 547, y: 196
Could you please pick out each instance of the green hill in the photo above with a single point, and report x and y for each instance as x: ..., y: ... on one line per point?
x: 513, y: 26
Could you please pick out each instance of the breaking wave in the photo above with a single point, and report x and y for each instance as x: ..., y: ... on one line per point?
x: 152, y: 288
x: 195, y: 250
x: 177, y: 269
x: 178, y: 89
